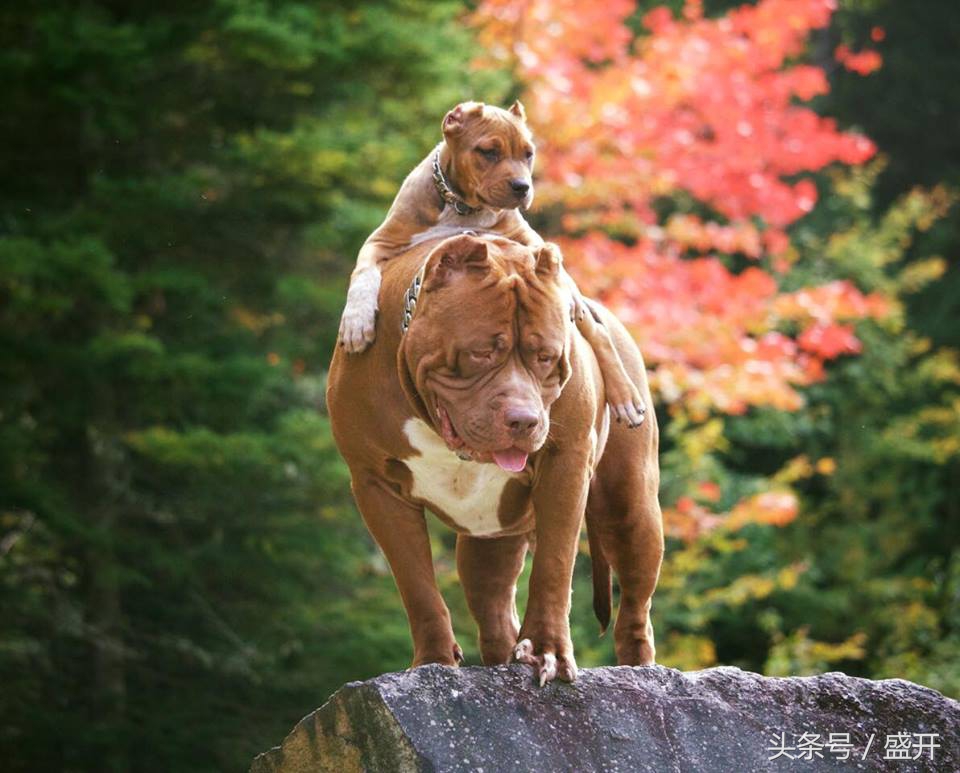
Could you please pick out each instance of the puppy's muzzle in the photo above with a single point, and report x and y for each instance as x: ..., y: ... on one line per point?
x: 520, y: 187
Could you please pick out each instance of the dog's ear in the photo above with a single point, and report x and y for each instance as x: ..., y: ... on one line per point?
x: 456, y: 256
x: 517, y: 109
x: 456, y: 119
x: 549, y: 260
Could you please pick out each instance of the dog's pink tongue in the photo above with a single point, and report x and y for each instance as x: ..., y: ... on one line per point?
x: 511, y: 460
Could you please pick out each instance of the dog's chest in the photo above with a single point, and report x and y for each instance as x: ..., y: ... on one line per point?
x: 468, y: 493
x: 451, y: 224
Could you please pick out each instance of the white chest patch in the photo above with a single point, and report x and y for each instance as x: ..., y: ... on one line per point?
x: 467, y: 492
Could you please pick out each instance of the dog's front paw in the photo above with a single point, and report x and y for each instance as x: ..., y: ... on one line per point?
x: 358, y: 323
x: 551, y: 657
x: 445, y: 656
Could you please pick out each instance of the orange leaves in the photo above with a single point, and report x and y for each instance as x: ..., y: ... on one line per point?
x: 862, y: 63
x: 688, y: 520
x: 829, y: 341
x: 701, y: 107
x: 776, y: 508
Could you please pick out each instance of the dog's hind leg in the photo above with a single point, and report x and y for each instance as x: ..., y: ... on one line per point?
x: 488, y: 569
x: 624, y: 520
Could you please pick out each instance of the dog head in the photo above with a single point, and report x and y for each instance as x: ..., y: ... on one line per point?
x: 492, y: 154
x: 488, y: 351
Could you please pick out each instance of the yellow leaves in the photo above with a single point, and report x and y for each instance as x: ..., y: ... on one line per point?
x: 254, y: 322
x: 826, y: 466
x: 751, y: 587
x: 704, y: 439
x: 796, y: 469
x: 746, y: 588
x: 800, y: 467
x: 687, y: 652
x: 919, y: 273
x: 933, y: 432
x: 788, y: 577
x: 942, y: 366
x: 798, y: 654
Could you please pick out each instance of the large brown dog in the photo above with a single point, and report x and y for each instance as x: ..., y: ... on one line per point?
x: 482, y: 402
x: 478, y: 178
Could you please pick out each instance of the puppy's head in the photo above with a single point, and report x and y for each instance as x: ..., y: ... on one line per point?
x: 492, y: 154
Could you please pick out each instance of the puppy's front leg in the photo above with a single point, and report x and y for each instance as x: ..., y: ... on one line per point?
x: 559, y: 500
x: 358, y: 323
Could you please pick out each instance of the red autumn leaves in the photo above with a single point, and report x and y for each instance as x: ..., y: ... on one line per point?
x: 707, y: 115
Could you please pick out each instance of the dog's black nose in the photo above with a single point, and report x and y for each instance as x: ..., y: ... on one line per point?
x: 520, y: 187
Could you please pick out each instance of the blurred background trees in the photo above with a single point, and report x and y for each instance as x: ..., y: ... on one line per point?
x: 182, y: 572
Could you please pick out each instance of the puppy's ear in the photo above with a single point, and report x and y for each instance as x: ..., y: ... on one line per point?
x: 454, y: 257
x: 456, y: 119
x: 549, y: 260
x: 517, y: 109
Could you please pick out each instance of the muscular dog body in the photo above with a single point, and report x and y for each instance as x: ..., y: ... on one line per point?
x: 483, y: 167
x: 486, y: 406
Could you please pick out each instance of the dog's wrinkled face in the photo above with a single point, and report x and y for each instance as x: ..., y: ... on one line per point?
x: 488, y: 348
x: 492, y: 154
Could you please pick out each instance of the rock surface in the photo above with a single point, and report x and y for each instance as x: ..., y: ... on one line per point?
x: 436, y: 718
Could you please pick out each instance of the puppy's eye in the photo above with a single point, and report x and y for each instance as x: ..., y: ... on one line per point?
x: 546, y: 358
x: 491, y: 154
x: 529, y: 154
x: 482, y: 355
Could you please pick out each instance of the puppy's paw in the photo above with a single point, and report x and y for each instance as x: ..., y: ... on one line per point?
x: 357, y: 328
x: 579, y: 309
x: 550, y: 660
x: 626, y: 405
x: 630, y: 413
x: 358, y: 323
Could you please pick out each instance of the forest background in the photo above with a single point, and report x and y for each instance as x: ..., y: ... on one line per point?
x: 765, y: 194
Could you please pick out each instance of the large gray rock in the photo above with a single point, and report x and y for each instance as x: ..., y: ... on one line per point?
x: 655, y: 719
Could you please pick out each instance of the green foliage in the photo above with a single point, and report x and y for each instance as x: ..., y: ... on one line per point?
x: 182, y: 572
x: 865, y: 577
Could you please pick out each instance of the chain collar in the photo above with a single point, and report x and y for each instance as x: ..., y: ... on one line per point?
x: 446, y: 193
x: 410, y: 299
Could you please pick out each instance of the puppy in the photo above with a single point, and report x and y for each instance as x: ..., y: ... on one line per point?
x: 477, y: 179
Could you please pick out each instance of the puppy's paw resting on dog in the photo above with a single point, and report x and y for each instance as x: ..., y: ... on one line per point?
x: 623, y: 397
x: 627, y: 408
x: 358, y: 323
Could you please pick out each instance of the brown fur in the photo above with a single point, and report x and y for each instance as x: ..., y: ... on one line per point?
x: 485, y: 152
x: 475, y: 290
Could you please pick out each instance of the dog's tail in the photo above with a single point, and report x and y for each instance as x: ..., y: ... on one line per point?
x: 602, y: 578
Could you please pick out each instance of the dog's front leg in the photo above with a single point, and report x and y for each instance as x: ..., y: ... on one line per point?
x: 559, y: 500
x: 400, y: 530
